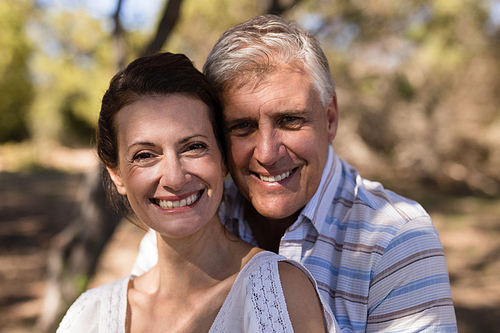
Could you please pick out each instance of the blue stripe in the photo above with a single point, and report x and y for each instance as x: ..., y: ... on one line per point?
x: 410, y: 234
x: 442, y: 328
x: 344, y: 322
x: 361, y: 225
x: 354, y: 274
x: 413, y: 286
x: 320, y: 262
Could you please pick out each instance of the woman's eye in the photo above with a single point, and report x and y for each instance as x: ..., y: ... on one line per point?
x: 142, y: 156
x: 196, y: 146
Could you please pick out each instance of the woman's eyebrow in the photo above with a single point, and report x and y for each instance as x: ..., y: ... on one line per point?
x: 140, y: 143
x: 188, y: 138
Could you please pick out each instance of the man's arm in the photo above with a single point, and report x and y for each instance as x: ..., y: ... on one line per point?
x: 410, y: 289
x: 148, y: 254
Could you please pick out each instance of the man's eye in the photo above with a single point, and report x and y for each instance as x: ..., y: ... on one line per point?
x: 241, y: 129
x: 240, y: 126
x: 290, y: 122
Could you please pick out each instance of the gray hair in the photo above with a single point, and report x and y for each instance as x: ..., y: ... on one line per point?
x: 259, y: 45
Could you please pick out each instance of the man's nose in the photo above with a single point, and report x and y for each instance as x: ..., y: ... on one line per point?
x: 172, y: 173
x: 269, y: 147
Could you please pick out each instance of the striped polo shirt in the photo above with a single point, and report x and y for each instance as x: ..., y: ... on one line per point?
x: 376, y: 256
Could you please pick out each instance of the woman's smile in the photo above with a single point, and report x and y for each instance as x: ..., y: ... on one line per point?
x: 169, y: 204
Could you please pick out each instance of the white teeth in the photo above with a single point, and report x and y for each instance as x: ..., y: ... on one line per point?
x: 165, y: 204
x: 272, y: 179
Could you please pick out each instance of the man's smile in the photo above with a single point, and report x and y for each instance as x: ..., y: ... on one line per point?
x: 277, y: 178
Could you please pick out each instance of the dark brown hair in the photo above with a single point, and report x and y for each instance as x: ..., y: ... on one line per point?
x: 155, y: 75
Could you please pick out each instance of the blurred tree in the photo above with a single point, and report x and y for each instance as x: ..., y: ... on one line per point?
x: 16, y: 88
x: 71, y: 68
x: 201, y: 22
x: 417, y: 81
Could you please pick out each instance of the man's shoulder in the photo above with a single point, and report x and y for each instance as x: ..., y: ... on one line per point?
x: 371, y: 198
x: 229, y: 201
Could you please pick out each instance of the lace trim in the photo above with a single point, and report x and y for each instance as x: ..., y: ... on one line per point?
x: 267, y: 298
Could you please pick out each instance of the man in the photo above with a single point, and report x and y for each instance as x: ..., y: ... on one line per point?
x: 376, y: 256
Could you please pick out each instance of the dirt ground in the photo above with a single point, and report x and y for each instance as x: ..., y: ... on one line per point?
x: 36, y: 205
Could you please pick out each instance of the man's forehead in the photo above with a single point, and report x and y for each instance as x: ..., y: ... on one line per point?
x: 252, y: 78
x: 284, y: 84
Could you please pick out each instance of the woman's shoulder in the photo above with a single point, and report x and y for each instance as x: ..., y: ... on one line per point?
x: 288, y: 288
x: 271, y: 261
x: 271, y: 267
x: 85, y: 313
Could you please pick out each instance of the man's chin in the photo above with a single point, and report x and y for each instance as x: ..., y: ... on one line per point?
x: 277, y: 211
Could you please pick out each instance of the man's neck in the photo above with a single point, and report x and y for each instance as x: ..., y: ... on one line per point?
x: 266, y: 231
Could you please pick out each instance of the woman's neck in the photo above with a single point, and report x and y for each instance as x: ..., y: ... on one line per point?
x: 185, y: 290
x: 199, y: 261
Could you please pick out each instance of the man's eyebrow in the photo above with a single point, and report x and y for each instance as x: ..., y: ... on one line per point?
x: 277, y: 114
x: 237, y: 120
x: 293, y: 112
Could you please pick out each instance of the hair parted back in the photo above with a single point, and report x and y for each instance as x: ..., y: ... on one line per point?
x: 259, y: 45
x: 155, y: 75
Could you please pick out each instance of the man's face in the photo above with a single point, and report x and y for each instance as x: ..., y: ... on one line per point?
x: 278, y: 135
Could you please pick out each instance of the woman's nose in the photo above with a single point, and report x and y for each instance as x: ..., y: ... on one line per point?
x: 172, y: 173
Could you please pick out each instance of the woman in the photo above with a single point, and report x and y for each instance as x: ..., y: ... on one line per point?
x: 159, y: 138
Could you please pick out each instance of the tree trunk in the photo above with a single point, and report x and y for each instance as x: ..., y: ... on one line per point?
x: 74, y: 252
x: 275, y: 7
x: 167, y: 24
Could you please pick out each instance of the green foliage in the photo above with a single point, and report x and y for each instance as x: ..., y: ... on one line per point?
x: 203, y: 21
x: 415, y: 78
x: 404, y: 87
x: 72, y: 67
x: 15, y: 87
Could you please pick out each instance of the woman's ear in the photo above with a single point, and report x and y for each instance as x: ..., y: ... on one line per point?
x: 117, y: 179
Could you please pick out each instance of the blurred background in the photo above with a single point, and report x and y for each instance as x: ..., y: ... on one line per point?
x: 418, y: 84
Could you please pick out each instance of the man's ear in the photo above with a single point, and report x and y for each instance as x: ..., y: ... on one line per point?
x: 332, y: 117
x: 117, y: 179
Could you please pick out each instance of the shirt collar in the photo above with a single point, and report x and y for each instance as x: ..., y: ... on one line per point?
x: 317, y: 208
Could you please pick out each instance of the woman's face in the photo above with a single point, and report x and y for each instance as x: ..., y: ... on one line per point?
x: 170, y: 166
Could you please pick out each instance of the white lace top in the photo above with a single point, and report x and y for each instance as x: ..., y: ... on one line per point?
x: 255, y: 303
